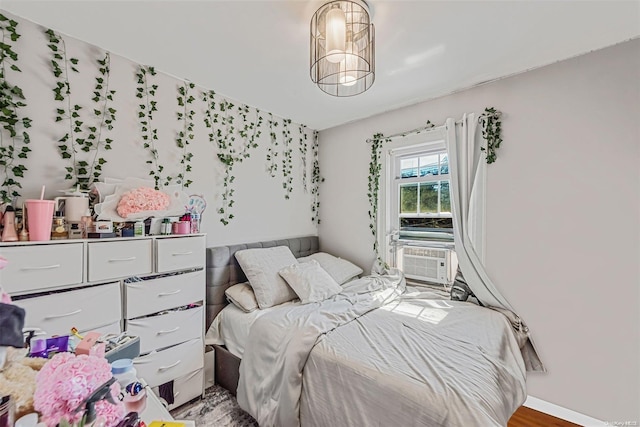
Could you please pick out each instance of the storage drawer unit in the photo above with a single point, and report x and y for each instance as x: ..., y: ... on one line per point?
x: 185, y: 388
x: 114, y: 260
x: 162, y: 366
x: 36, y: 267
x: 180, y: 253
x: 154, y: 295
x: 85, y: 309
x: 167, y: 329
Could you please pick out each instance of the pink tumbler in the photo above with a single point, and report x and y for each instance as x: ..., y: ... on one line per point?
x: 39, y: 216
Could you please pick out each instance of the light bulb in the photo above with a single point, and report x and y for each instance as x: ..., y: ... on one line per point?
x: 336, y: 32
x: 349, y: 67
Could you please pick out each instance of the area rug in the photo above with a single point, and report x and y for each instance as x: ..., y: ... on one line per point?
x: 218, y: 408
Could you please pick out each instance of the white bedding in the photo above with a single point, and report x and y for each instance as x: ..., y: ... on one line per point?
x: 231, y: 327
x: 417, y: 360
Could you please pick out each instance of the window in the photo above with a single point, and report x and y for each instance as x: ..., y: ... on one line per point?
x: 422, y: 208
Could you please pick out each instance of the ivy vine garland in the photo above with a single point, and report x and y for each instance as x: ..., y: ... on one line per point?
x: 146, y: 93
x: 491, y: 131
x: 316, y: 179
x: 272, y: 151
x: 185, y: 136
x: 287, y: 160
x: 303, y: 155
x: 73, y: 142
x: 224, y: 137
x: 15, y: 145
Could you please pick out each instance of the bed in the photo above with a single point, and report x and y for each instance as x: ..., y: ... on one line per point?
x: 377, y: 353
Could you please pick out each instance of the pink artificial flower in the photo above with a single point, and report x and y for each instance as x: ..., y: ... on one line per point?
x: 142, y: 199
x: 66, y: 380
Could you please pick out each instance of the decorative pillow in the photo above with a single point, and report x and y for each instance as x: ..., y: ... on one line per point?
x: 310, y: 281
x: 242, y: 296
x: 261, y: 266
x: 340, y: 269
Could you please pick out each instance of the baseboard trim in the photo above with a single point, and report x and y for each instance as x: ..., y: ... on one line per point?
x: 562, y: 413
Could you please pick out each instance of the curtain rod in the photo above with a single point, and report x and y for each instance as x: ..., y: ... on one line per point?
x: 430, y: 127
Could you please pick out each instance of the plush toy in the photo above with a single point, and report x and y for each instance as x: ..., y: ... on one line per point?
x: 18, y: 379
x: 17, y: 372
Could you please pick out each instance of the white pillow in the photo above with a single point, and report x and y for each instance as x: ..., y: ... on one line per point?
x: 340, y: 269
x: 242, y: 296
x: 261, y: 266
x: 310, y: 281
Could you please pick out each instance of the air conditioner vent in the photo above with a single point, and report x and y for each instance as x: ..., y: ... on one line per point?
x: 427, y: 264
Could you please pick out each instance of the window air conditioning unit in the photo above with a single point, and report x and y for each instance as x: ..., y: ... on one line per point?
x: 429, y: 264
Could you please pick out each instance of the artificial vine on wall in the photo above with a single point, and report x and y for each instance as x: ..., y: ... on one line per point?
x: 185, y: 136
x: 272, y: 151
x: 15, y: 145
x: 146, y: 92
x: 492, y: 132
x: 316, y: 179
x: 287, y: 160
x: 74, y: 143
x: 303, y: 155
x: 224, y: 137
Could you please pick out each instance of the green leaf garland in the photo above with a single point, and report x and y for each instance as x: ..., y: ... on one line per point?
x: 14, y: 144
x: 146, y: 92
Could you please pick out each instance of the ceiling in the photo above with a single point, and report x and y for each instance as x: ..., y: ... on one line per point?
x: 257, y: 52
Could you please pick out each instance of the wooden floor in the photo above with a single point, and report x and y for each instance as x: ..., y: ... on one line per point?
x: 527, y: 417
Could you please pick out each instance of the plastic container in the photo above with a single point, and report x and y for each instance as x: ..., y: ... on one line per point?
x: 39, y: 218
x: 124, y: 372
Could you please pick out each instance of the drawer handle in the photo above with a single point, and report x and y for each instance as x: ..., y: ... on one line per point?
x: 122, y: 259
x: 71, y: 313
x: 44, y: 267
x: 168, y: 331
x: 166, y: 294
x: 164, y: 368
x: 182, y: 253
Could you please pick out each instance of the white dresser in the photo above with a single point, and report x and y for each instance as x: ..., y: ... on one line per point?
x: 153, y: 287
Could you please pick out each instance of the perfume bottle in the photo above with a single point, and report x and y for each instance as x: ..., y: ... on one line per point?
x: 9, y: 233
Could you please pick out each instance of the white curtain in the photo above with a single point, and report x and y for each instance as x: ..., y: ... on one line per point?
x: 466, y: 163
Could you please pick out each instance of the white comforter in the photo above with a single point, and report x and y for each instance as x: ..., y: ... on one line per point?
x: 411, y: 362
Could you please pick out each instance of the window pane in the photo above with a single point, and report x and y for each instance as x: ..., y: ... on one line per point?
x: 409, y: 167
x: 445, y: 197
x: 409, y: 198
x: 429, y: 165
x: 429, y: 197
x: 444, y: 163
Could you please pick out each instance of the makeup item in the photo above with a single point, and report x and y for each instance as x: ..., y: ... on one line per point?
x: 124, y: 372
x: 59, y: 227
x: 181, y: 227
x: 195, y: 223
x: 38, y: 348
x: 165, y: 227
x: 39, y: 216
x: 75, y: 230
x: 88, y: 341
x: 138, y: 228
x: 86, y: 222
x: 9, y: 233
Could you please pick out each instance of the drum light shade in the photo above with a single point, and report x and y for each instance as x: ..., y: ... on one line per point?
x: 342, y: 48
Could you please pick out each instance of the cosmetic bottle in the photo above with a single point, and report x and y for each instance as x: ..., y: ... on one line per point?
x: 9, y: 233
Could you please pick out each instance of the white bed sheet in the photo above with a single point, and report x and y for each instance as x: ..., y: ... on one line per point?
x: 231, y: 327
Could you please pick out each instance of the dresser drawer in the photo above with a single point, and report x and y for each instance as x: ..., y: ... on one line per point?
x: 159, y: 367
x: 113, y: 260
x: 85, y: 309
x: 185, y: 388
x: 180, y: 253
x: 35, y: 267
x: 167, y: 329
x: 154, y: 295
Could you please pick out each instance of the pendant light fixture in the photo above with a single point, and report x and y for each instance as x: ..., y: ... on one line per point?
x: 342, y: 48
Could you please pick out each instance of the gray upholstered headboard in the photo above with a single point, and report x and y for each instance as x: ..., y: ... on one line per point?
x: 223, y: 269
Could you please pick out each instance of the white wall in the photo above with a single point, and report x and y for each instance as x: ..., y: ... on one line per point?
x: 563, y: 216
x: 261, y: 211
